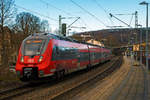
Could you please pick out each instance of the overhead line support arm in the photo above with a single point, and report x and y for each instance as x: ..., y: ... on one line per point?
x: 111, y: 15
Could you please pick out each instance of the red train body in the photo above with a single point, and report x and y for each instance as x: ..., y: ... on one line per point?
x: 43, y: 55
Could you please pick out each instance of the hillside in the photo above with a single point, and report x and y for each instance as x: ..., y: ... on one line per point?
x: 111, y: 37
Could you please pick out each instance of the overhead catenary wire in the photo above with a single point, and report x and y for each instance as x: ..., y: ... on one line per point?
x: 124, y: 14
x: 67, y: 13
x: 36, y: 12
x: 59, y: 9
x: 48, y: 4
x: 82, y: 25
x: 107, y: 13
x: 83, y: 22
x: 131, y: 19
x: 89, y: 13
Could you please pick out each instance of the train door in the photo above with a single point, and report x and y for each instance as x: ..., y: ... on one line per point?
x: 78, y: 58
x: 89, y: 55
x: 102, y: 54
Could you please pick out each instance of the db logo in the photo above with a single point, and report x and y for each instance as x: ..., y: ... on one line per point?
x: 30, y: 60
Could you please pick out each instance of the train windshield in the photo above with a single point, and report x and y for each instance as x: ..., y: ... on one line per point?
x: 33, y: 47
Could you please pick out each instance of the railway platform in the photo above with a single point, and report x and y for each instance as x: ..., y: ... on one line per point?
x: 135, y: 85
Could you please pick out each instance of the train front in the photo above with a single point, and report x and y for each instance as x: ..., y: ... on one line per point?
x: 34, y: 58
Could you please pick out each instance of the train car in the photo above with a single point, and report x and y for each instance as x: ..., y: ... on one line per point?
x: 45, y: 54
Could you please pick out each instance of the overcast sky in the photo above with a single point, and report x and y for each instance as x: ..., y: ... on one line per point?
x: 99, y: 10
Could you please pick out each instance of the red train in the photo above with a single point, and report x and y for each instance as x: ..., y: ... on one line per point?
x: 45, y: 54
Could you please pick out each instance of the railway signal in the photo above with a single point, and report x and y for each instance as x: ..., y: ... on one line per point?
x: 63, y: 29
x: 63, y: 26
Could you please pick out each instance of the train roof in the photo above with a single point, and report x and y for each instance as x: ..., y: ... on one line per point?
x: 50, y: 35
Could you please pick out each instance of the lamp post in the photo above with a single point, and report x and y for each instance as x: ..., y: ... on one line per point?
x: 146, y: 52
x: 140, y: 43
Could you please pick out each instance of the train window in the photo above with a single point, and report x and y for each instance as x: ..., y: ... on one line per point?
x: 55, y: 53
x: 57, y: 49
x: 33, y: 47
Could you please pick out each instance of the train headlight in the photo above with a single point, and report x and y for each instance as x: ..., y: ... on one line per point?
x: 22, y: 59
x: 40, y: 59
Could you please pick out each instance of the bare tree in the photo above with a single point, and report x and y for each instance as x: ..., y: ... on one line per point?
x: 28, y: 23
x: 6, y: 13
x: 22, y: 22
x: 35, y: 24
x: 45, y: 26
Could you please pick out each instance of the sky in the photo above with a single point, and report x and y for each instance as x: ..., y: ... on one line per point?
x: 94, y: 14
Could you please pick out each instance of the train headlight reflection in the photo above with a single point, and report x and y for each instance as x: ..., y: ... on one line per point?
x: 22, y: 59
x: 40, y: 59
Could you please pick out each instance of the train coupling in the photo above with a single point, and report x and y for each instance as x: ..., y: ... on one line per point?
x: 30, y: 73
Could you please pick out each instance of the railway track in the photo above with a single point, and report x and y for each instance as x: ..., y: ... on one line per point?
x: 7, y: 91
x: 20, y: 90
x: 69, y: 94
x: 54, y: 89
